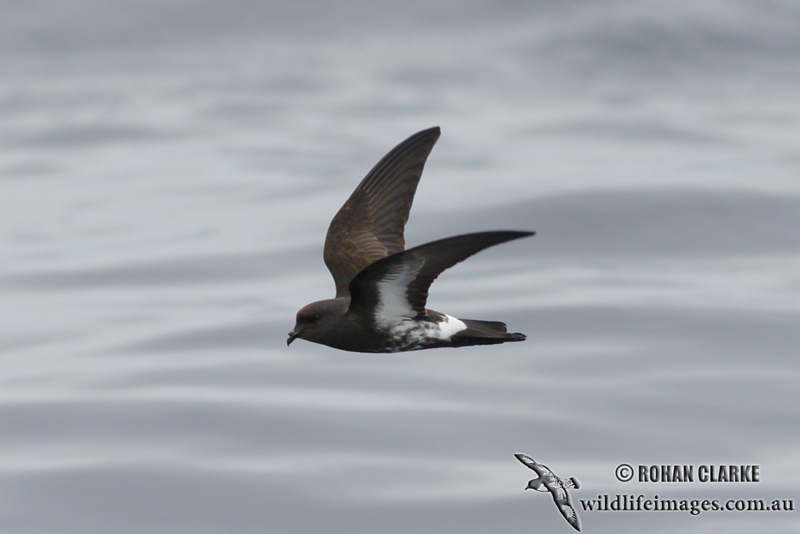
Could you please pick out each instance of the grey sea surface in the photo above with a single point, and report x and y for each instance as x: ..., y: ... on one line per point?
x: 167, y: 174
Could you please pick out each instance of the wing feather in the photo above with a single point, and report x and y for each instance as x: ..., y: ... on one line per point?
x: 406, y: 276
x: 369, y: 226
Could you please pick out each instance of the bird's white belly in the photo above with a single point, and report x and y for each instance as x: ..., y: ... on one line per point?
x: 413, y: 333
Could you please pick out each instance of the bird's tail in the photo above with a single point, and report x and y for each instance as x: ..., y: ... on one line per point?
x: 484, y: 333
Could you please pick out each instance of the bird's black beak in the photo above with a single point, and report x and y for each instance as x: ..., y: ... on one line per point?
x: 292, y: 336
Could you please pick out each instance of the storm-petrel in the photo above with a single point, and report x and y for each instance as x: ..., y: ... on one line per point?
x: 548, y: 481
x: 381, y: 289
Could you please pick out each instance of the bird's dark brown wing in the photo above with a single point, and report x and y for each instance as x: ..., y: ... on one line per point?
x: 398, y: 284
x: 369, y: 226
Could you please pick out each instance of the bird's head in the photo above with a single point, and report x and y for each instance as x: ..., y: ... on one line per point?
x: 536, y: 484
x: 317, y: 321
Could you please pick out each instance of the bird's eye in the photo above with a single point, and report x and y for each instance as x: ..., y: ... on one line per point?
x: 316, y: 317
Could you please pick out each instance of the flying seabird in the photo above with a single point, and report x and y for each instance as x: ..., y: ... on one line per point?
x: 381, y: 289
x: 557, y: 486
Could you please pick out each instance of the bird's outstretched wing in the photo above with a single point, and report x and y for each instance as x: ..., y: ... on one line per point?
x: 564, y: 505
x: 541, y: 469
x: 525, y: 459
x: 397, y: 285
x: 369, y: 226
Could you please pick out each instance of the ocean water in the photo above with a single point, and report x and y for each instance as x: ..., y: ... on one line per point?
x: 167, y: 174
